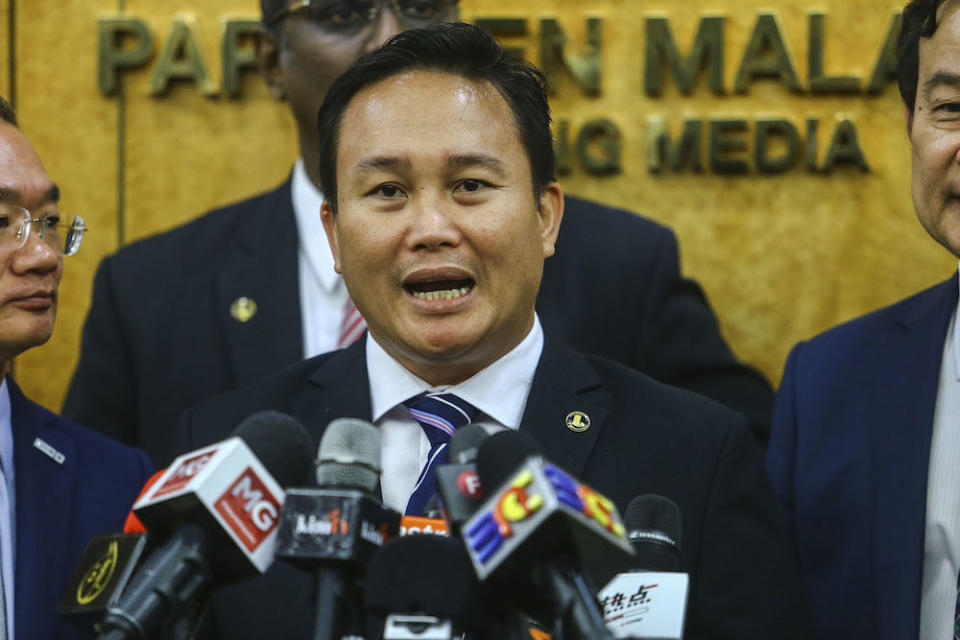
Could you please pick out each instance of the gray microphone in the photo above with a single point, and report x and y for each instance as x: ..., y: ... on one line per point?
x: 333, y: 529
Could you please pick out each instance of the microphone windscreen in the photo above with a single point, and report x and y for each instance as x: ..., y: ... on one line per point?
x: 653, y: 526
x: 501, y: 455
x: 424, y: 574
x: 349, y: 455
x: 466, y: 442
x: 281, y: 443
x: 132, y: 523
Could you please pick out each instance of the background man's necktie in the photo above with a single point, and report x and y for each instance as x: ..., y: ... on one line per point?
x: 352, y: 325
x: 439, y: 415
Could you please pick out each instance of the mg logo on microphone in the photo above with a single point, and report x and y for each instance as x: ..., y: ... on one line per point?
x: 184, y: 473
x: 249, y: 509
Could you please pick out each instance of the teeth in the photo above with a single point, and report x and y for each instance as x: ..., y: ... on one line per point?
x: 443, y: 294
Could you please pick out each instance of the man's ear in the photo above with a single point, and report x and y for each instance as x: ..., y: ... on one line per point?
x: 550, y: 210
x: 330, y: 226
x: 908, y: 119
x: 267, y: 50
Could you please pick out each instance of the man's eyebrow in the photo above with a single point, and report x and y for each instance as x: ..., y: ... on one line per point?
x: 941, y: 79
x: 383, y: 163
x: 8, y: 194
x: 466, y: 160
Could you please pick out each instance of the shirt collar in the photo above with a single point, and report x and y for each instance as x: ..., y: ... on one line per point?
x: 499, y: 390
x: 6, y: 429
x: 313, y: 241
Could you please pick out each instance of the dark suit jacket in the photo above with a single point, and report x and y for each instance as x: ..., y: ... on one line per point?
x: 612, y: 289
x: 59, y: 507
x: 849, y: 457
x: 644, y: 438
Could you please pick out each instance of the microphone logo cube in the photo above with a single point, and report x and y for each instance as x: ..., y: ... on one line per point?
x: 511, y: 519
x: 249, y: 509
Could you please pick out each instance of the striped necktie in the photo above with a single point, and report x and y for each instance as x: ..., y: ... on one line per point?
x: 351, y: 326
x: 439, y: 415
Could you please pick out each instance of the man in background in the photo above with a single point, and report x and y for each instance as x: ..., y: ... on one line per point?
x: 865, y: 449
x: 248, y: 289
x: 60, y: 484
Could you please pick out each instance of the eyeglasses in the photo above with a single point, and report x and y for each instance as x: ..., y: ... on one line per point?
x: 349, y: 17
x: 16, y: 224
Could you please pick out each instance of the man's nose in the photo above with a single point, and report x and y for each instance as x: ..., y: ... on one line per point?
x: 431, y: 225
x: 385, y: 27
x: 35, y: 255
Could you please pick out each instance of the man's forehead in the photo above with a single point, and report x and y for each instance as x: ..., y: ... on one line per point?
x: 23, y: 179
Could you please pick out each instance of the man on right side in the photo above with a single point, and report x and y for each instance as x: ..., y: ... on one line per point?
x: 865, y: 448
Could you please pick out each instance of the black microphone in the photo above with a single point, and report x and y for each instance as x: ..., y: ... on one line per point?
x: 653, y: 528
x: 216, y: 511
x: 457, y: 481
x: 334, y: 529
x: 542, y: 540
x: 651, y: 600
x: 101, y: 577
x: 414, y: 601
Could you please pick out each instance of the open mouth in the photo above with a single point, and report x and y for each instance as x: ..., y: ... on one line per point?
x: 439, y: 289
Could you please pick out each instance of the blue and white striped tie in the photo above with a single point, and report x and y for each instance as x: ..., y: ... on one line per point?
x: 439, y: 415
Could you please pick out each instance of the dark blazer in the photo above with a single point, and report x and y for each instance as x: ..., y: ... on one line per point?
x: 59, y: 507
x: 848, y: 458
x: 613, y: 289
x: 644, y: 438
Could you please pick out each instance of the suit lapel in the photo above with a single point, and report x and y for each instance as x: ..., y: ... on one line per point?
x: 904, y: 402
x: 565, y: 389
x: 44, y: 493
x: 340, y: 388
x: 263, y: 268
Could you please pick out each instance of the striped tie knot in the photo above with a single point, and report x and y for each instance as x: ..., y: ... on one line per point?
x: 439, y: 415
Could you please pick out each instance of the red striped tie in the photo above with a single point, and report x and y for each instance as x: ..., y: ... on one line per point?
x: 352, y: 326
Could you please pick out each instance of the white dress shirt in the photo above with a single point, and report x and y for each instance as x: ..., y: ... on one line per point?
x: 941, y: 545
x: 322, y: 292
x: 499, y: 391
x: 8, y: 511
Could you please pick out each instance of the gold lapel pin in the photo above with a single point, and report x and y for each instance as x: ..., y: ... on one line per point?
x: 243, y: 308
x: 577, y: 421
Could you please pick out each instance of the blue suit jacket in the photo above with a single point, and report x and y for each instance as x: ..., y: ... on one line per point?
x: 848, y: 459
x: 59, y: 507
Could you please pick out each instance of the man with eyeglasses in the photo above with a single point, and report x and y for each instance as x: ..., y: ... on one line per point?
x: 60, y: 484
x: 250, y: 288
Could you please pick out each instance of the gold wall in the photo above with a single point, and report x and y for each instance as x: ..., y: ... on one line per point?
x: 781, y: 256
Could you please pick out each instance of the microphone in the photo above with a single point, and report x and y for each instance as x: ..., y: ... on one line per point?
x: 651, y: 601
x: 542, y: 539
x: 101, y: 576
x: 334, y: 529
x: 457, y: 481
x: 216, y: 510
x: 104, y: 570
x: 419, y: 603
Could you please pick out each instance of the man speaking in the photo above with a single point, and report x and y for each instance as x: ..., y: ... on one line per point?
x: 441, y: 208
x: 248, y: 289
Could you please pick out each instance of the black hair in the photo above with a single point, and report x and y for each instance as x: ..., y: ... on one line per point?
x: 7, y: 114
x: 457, y: 49
x: 919, y: 21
